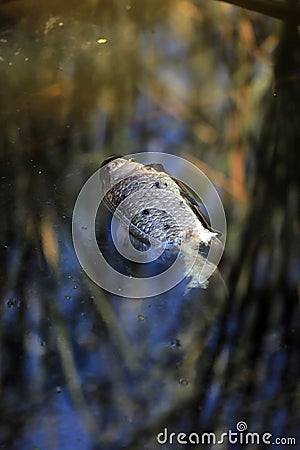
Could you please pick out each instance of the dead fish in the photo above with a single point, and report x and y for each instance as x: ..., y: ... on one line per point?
x: 157, y: 208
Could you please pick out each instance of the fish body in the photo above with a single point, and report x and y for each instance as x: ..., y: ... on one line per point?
x: 155, y: 207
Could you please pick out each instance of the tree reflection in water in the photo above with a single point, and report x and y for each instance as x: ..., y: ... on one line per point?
x: 84, y: 369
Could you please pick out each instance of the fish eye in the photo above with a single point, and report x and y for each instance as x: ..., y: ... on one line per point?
x: 108, y: 160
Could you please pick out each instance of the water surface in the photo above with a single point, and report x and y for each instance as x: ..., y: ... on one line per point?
x: 217, y: 85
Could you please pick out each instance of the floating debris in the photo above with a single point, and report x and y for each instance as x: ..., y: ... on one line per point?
x: 13, y: 303
x: 175, y: 343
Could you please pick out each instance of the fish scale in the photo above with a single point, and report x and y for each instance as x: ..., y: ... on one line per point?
x: 133, y: 188
x: 169, y: 219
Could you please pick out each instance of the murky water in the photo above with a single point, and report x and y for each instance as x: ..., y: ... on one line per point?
x: 85, y: 369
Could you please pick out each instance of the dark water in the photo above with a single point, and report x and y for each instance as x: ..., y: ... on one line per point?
x: 85, y: 369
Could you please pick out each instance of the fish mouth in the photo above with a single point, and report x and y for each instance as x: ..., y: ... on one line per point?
x: 109, y: 160
x: 114, y: 163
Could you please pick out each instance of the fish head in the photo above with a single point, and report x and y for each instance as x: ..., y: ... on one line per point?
x: 113, y: 163
x: 115, y: 169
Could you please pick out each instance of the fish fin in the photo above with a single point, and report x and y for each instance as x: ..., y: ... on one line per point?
x: 184, y: 191
x: 195, y: 206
